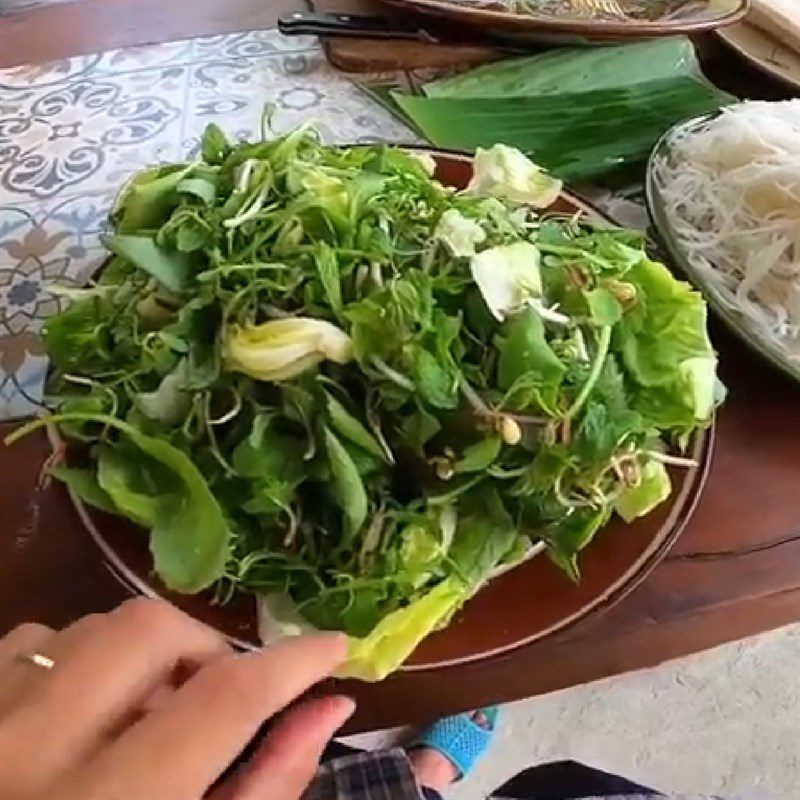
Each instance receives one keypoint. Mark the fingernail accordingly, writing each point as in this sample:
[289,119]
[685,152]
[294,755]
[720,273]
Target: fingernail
[346,709]
[347,702]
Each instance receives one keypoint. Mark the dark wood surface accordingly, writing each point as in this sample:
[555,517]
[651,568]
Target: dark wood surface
[369,55]
[734,572]
[51,32]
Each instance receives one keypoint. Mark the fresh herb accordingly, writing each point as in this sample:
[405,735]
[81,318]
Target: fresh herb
[318,375]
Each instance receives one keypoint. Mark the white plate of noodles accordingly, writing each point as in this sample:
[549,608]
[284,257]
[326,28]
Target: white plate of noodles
[723,192]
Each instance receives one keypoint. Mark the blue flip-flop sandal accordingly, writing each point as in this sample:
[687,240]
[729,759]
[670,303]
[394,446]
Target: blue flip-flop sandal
[460,739]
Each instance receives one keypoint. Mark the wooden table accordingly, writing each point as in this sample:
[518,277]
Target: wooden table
[735,571]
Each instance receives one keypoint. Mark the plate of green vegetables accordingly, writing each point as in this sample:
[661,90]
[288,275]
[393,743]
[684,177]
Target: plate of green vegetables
[434,402]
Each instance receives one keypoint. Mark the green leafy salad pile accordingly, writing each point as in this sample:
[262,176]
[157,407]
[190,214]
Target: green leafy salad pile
[318,375]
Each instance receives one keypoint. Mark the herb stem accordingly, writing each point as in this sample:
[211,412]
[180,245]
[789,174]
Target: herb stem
[253,209]
[394,376]
[230,413]
[675,461]
[474,399]
[231,268]
[81,381]
[562,250]
[78,416]
[603,344]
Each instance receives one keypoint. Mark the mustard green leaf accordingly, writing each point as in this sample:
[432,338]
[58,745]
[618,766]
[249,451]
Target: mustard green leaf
[172,268]
[348,488]
[83,484]
[146,201]
[349,427]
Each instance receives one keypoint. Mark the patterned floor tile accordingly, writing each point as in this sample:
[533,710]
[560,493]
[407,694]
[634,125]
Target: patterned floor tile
[148,56]
[88,132]
[23,370]
[233,92]
[45,245]
[43,76]
[41,246]
[249,44]
[183,52]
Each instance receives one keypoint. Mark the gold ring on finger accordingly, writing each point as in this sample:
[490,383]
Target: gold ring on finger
[40,660]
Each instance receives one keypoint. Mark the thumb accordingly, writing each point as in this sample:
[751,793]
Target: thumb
[286,761]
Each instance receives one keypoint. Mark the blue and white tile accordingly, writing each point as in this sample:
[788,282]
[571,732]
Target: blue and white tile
[300,86]
[250,44]
[84,133]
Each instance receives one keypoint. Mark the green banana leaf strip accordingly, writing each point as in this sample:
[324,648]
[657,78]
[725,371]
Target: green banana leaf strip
[575,135]
[573,70]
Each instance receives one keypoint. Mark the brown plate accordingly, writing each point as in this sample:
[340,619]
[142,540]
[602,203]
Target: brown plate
[589,20]
[764,53]
[520,606]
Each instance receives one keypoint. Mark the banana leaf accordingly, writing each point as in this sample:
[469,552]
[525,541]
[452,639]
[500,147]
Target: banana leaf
[580,113]
[576,136]
[574,70]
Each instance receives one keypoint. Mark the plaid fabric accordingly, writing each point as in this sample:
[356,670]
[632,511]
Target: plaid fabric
[387,775]
[379,775]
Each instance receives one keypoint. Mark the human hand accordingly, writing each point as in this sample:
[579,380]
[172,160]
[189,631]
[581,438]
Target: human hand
[145,702]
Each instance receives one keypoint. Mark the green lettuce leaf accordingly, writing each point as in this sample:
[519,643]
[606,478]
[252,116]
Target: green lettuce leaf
[604,309]
[420,553]
[666,326]
[664,344]
[72,337]
[214,145]
[169,402]
[686,401]
[279,617]
[572,535]
[329,275]
[484,534]
[389,643]
[203,189]
[189,537]
[271,462]
[653,489]
[434,384]
[479,456]
[525,351]
[397,635]
[347,426]
[355,611]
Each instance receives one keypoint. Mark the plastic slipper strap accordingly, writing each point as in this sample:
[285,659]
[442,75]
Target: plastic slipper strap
[459,739]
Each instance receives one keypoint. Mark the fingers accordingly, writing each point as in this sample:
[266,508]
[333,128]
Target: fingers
[211,718]
[106,665]
[24,639]
[15,669]
[285,763]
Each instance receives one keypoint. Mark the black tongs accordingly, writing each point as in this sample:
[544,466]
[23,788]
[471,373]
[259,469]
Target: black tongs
[356,26]
[414,29]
